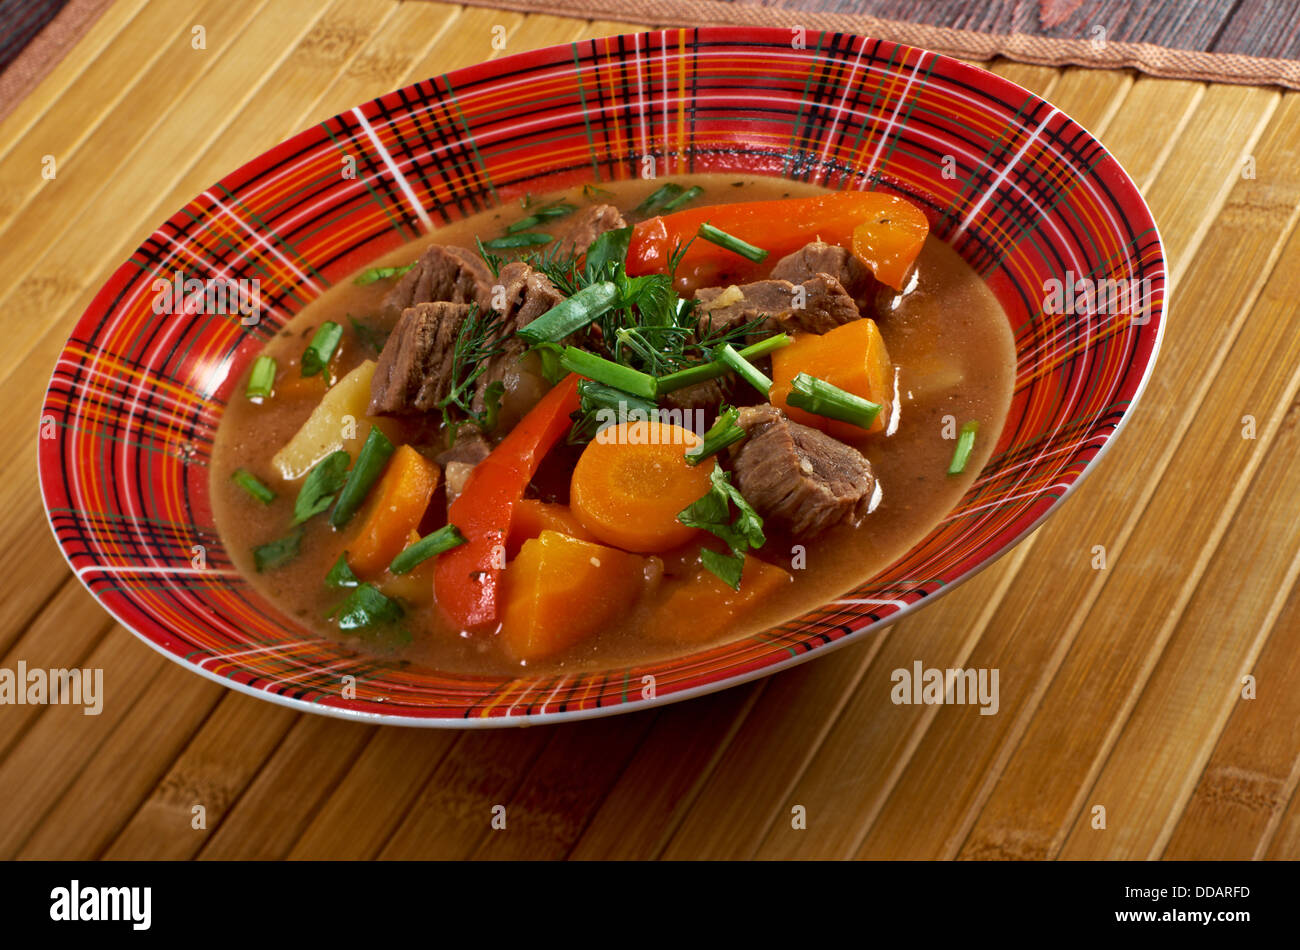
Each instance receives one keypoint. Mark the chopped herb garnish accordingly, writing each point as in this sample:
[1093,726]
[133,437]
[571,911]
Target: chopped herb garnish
[715,368]
[961,452]
[261,379]
[722,433]
[572,314]
[594,193]
[251,484]
[549,213]
[522,239]
[320,486]
[275,553]
[727,567]
[340,574]
[658,198]
[372,274]
[444,539]
[731,358]
[481,336]
[321,348]
[493,393]
[820,397]
[601,405]
[731,243]
[371,460]
[606,255]
[605,371]
[369,338]
[687,196]
[712,513]
[366,607]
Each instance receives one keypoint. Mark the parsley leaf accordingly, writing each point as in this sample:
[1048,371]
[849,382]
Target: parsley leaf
[340,574]
[712,513]
[320,486]
[366,607]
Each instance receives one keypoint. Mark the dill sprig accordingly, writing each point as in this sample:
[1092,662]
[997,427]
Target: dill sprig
[481,336]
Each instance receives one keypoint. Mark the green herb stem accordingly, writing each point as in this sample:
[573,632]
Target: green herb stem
[522,239]
[601,370]
[965,443]
[824,399]
[731,243]
[261,380]
[444,539]
[722,433]
[731,358]
[321,348]
[374,455]
[571,314]
[658,198]
[687,196]
[715,368]
[251,484]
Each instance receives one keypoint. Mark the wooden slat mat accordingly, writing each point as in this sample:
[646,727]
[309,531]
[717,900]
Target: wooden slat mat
[1120,687]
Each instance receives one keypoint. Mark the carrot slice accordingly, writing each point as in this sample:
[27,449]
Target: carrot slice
[560,591]
[395,511]
[532,517]
[852,357]
[632,480]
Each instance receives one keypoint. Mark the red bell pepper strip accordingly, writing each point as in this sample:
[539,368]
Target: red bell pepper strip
[895,230]
[467,579]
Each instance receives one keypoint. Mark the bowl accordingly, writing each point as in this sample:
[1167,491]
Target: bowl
[1025,194]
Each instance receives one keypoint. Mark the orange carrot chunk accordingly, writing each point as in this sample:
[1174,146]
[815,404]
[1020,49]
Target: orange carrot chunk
[560,591]
[395,511]
[890,239]
[700,607]
[632,480]
[532,517]
[852,357]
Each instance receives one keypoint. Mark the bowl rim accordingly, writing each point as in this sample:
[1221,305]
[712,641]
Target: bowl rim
[856,631]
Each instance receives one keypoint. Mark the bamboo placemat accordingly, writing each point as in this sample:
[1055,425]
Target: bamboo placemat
[1120,686]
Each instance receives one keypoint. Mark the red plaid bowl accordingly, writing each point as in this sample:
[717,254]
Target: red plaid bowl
[1024,193]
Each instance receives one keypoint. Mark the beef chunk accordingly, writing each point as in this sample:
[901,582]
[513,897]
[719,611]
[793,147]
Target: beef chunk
[799,476]
[453,274]
[470,447]
[527,295]
[414,369]
[587,225]
[826,305]
[708,395]
[818,257]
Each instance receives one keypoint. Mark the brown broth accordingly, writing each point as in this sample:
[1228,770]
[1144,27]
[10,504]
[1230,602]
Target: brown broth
[948,339]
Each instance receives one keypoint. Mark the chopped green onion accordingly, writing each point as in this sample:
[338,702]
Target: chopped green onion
[599,396]
[689,195]
[571,314]
[746,370]
[261,380]
[659,197]
[365,607]
[712,370]
[549,213]
[731,243]
[320,486]
[721,434]
[371,460]
[372,274]
[820,397]
[961,453]
[444,539]
[608,372]
[522,239]
[275,553]
[340,574]
[321,348]
[252,485]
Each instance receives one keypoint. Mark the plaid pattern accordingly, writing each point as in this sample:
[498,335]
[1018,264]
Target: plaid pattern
[1020,190]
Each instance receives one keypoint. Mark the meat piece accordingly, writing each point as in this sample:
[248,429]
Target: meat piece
[708,396]
[818,257]
[587,225]
[470,447]
[825,306]
[526,294]
[799,476]
[414,368]
[453,274]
